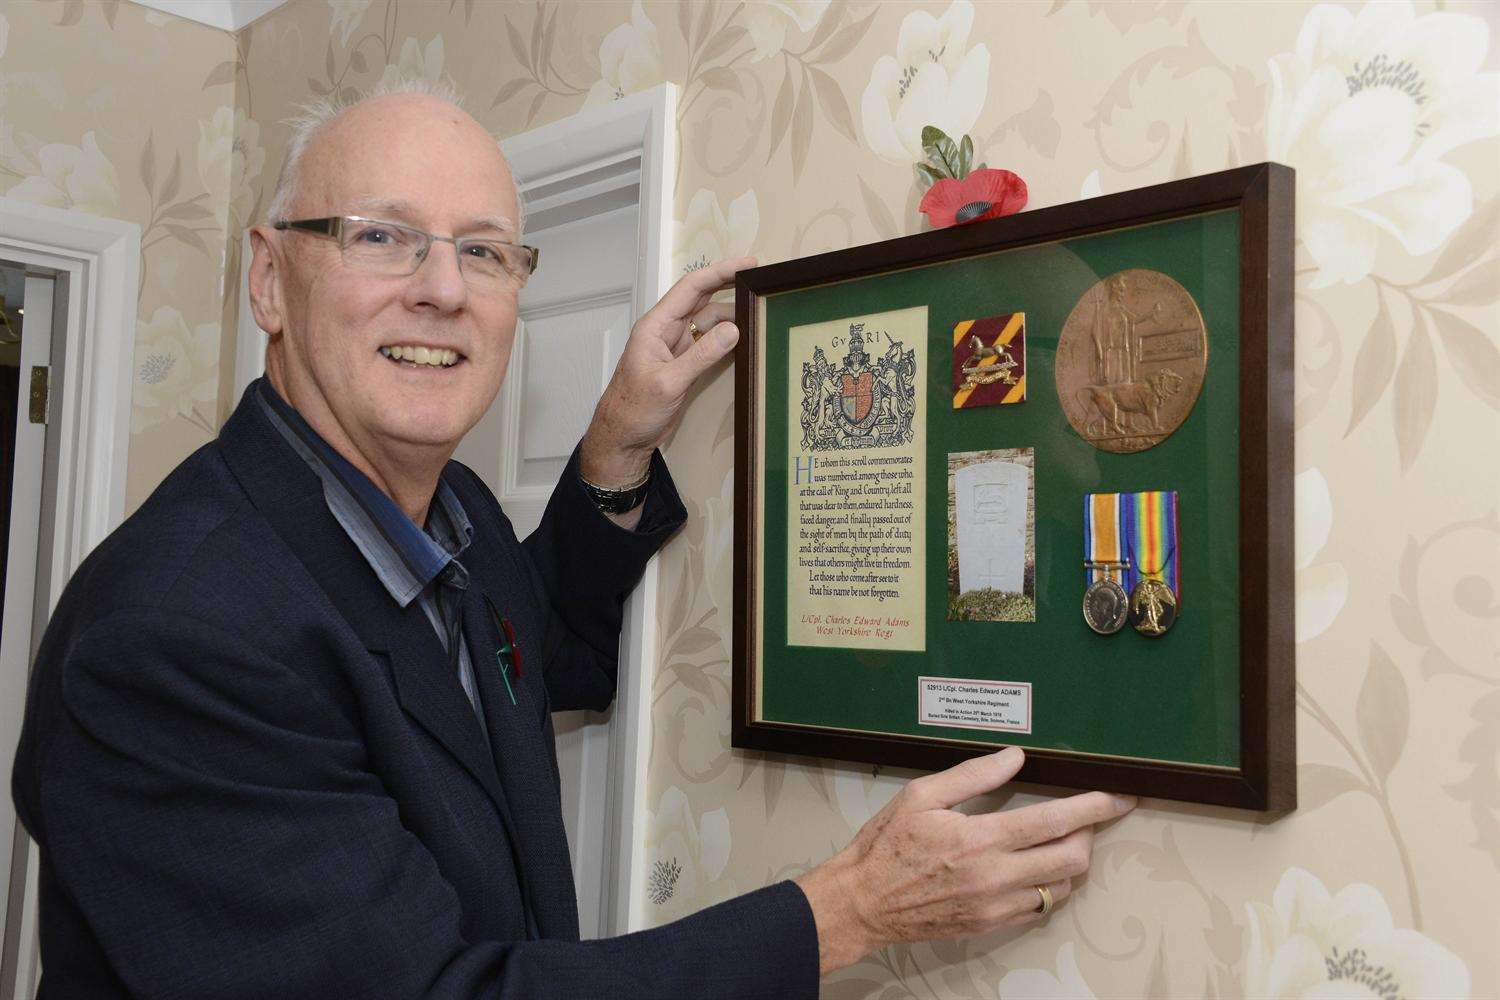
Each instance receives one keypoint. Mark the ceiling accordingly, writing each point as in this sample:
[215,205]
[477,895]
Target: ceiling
[230,15]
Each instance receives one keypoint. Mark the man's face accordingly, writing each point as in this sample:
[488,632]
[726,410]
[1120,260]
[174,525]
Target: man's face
[417,161]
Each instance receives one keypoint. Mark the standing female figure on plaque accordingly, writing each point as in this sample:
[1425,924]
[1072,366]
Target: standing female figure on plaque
[1114,334]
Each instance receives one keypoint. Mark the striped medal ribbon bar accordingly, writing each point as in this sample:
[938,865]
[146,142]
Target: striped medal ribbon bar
[1103,553]
[1150,521]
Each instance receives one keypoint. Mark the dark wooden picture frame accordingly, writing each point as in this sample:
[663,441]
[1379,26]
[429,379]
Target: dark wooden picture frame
[1266,776]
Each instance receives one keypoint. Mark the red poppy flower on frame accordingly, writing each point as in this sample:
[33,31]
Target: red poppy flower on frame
[984,194]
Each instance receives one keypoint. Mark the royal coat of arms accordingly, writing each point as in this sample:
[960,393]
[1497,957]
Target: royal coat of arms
[863,403]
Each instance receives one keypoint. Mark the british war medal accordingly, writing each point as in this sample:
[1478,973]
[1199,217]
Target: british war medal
[1105,603]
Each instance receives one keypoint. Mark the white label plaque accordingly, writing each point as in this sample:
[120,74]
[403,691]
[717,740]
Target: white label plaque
[970,704]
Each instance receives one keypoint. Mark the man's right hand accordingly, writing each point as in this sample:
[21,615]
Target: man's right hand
[918,870]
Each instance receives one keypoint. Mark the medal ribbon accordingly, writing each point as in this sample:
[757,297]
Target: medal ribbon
[1101,535]
[1151,539]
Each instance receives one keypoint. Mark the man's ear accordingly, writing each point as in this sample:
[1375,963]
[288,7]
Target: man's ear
[266,302]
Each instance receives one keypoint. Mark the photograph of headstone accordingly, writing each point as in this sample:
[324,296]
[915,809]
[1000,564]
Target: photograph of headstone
[992,536]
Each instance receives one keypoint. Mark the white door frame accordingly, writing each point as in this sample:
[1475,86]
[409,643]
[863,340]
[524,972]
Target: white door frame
[643,125]
[24,613]
[89,414]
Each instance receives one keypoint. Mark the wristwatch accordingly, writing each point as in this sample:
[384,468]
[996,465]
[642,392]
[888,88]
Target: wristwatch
[617,501]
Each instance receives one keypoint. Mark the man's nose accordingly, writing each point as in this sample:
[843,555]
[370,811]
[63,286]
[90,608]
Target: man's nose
[438,283]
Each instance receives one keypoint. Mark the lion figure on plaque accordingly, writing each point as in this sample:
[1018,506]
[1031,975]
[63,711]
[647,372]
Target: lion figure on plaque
[863,403]
[1117,405]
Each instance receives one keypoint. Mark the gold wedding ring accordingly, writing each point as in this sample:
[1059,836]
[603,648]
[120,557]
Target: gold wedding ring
[1045,906]
[693,329]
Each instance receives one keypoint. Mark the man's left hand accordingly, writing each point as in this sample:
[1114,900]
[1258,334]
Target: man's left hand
[644,400]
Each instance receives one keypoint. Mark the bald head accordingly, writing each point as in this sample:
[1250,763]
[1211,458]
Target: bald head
[363,160]
[327,128]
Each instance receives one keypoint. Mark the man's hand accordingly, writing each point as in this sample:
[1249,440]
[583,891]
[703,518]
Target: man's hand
[661,361]
[918,871]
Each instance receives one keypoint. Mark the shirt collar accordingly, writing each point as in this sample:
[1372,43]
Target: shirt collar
[403,556]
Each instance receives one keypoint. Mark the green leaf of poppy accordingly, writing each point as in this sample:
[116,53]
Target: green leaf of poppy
[930,174]
[947,150]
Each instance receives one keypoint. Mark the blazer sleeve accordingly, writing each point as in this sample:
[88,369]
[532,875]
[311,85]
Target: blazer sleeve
[215,819]
[584,565]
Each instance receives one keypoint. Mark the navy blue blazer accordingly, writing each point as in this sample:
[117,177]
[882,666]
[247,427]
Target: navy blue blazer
[251,774]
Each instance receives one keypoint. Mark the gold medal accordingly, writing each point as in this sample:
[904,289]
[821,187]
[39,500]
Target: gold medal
[1153,607]
[1105,606]
[1151,533]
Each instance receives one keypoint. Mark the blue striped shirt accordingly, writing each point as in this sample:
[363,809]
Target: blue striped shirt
[410,563]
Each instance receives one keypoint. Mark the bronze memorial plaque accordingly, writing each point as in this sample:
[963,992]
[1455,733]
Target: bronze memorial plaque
[1130,360]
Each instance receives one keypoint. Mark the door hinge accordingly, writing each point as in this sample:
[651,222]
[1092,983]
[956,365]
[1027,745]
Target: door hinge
[41,382]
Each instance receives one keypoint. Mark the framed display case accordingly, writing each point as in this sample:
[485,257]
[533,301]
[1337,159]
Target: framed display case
[1029,481]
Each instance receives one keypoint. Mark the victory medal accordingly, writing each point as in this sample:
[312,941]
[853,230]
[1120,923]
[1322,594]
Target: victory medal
[1153,607]
[1151,530]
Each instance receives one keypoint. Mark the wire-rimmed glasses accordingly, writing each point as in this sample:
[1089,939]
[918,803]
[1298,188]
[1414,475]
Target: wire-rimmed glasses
[392,249]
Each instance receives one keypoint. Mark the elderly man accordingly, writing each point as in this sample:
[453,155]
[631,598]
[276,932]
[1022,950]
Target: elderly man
[289,730]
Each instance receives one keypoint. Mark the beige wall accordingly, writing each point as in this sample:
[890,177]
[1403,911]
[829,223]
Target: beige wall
[1395,851]
[119,111]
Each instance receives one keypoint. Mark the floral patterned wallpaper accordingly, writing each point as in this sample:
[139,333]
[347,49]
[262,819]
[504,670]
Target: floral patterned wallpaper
[120,111]
[799,123]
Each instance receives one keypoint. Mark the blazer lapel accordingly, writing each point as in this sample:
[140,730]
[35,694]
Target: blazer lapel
[290,496]
[436,700]
[526,771]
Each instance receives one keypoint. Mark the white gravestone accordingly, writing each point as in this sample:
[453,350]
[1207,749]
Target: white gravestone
[991,500]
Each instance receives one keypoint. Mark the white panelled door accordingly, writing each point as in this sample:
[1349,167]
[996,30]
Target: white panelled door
[576,313]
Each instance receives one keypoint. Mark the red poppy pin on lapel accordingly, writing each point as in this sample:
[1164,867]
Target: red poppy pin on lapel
[509,653]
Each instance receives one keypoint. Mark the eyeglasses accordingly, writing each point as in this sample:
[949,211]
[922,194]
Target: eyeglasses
[488,265]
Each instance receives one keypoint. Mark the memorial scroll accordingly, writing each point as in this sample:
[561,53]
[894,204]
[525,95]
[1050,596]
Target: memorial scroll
[857,491]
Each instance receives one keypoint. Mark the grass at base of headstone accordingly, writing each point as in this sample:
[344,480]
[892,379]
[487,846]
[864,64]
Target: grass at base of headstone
[991,605]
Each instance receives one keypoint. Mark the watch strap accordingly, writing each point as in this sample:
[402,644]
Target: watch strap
[617,501]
